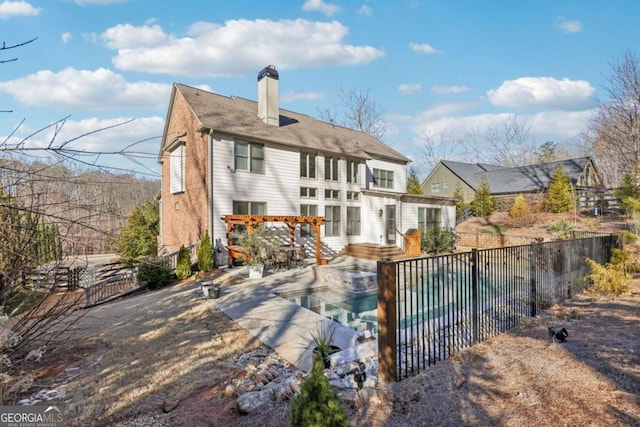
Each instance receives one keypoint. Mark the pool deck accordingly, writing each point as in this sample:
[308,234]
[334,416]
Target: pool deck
[280,324]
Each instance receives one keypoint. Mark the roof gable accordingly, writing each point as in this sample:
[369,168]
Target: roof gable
[530,178]
[239,117]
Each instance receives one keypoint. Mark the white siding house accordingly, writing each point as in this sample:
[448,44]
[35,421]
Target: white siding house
[238,159]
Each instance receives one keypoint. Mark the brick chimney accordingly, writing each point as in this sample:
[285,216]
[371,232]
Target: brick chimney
[268,110]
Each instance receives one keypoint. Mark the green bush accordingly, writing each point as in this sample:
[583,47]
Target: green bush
[205,253]
[317,404]
[520,213]
[436,240]
[183,266]
[561,229]
[610,278]
[154,273]
[628,236]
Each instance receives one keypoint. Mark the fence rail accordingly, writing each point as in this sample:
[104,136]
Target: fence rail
[431,307]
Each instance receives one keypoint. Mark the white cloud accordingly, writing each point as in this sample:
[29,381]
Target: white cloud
[65,37]
[237,47]
[101,89]
[567,26]
[409,89]
[126,36]
[557,125]
[319,5]
[17,8]
[528,92]
[365,10]
[302,96]
[449,89]
[423,48]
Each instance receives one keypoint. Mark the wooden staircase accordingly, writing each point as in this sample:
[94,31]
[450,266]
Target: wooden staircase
[373,251]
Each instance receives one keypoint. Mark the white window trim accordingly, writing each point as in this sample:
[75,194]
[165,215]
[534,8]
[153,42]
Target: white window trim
[177,168]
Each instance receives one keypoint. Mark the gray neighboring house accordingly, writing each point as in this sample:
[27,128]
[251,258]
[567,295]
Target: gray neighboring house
[507,183]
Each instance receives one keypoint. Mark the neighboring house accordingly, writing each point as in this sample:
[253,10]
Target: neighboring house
[227,155]
[507,183]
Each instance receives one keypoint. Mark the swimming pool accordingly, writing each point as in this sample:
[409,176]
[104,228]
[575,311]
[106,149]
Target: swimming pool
[357,312]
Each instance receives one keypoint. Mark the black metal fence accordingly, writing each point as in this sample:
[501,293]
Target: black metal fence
[431,307]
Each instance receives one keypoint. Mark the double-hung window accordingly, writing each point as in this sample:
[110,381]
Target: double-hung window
[330,169]
[307,210]
[249,208]
[308,165]
[353,220]
[332,220]
[353,171]
[248,156]
[382,178]
[176,169]
[429,218]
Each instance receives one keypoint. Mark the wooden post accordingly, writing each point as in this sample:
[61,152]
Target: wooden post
[316,229]
[387,328]
[229,242]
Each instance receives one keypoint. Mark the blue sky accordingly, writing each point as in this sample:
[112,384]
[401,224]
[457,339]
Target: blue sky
[437,67]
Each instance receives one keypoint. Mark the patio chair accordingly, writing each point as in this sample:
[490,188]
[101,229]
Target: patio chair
[299,255]
[281,259]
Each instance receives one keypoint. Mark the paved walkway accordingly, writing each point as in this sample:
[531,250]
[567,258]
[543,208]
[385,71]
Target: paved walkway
[282,325]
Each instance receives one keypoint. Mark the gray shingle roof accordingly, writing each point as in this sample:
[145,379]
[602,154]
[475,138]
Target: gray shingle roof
[529,178]
[238,116]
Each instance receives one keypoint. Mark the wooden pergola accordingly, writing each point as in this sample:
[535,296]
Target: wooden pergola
[250,221]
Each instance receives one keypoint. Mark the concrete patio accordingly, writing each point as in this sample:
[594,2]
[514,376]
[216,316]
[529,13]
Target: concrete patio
[280,324]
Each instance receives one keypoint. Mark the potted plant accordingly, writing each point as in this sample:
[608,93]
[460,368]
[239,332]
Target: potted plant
[254,249]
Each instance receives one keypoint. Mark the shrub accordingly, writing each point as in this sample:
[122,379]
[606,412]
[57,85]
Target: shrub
[628,236]
[607,279]
[317,404]
[561,229]
[436,240]
[154,273]
[520,213]
[205,253]
[183,266]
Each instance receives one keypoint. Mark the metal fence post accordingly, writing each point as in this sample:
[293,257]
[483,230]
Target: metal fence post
[387,327]
[475,309]
[533,258]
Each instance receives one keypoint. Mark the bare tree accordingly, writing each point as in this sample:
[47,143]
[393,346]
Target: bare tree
[361,113]
[614,130]
[445,145]
[52,197]
[511,143]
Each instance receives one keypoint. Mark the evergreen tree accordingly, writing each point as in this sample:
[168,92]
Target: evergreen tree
[139,239]
[317,404]
[183,266]
[482,203]
[559,198]
[413,183]
[628,188]
[205,253]
[458,195]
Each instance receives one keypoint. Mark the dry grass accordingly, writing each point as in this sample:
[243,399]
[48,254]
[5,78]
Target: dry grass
[130,356]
